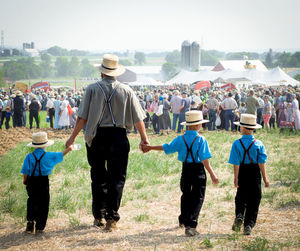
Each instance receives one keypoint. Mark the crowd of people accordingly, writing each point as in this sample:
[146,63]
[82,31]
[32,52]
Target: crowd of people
[60,107]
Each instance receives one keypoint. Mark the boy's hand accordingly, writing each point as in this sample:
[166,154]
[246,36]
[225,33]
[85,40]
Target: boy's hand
[236,183]
[146,148]
[267,183]
[215,180]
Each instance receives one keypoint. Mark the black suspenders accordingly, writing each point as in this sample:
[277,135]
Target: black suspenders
[107,103]
[37,161]
[189,149]
[247,151]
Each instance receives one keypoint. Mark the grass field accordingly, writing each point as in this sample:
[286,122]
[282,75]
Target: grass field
[150,204]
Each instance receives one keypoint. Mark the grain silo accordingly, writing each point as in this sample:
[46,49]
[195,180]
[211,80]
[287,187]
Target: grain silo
[185,54]
[195,56]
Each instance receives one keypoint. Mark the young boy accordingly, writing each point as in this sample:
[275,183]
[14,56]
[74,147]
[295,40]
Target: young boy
[193,152]
[248,157]
[36,168]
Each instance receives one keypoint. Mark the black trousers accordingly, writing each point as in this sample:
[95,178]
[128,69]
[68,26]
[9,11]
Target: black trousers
[108,158]
[248,194]
[38,200]
[7,119]
[192,185]
[51,116]
[35,115]
[18,118]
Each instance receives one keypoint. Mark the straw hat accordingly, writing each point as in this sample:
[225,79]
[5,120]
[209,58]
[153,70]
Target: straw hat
[13,95]
[110,66]
[248,121]
[19,93]
[40,139]
[194,118]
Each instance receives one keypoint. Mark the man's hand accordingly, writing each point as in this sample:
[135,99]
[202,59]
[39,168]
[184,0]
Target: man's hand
[144,143]
[69,142]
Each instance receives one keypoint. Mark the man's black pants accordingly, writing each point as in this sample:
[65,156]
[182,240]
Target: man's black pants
[248,194]
[38,200]
[192,185]
[108,158]
[35,115]
[51,116]
[18,118]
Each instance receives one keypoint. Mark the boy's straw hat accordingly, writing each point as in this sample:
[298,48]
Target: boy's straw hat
[110,66]
[248,121]
[40,139]
[194,118]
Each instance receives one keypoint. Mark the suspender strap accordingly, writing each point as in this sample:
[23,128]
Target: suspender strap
[247,151]
[107,103]
[189,149]
[37,161]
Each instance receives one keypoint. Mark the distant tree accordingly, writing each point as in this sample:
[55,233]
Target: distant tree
[125,62]
[140,58]
[216,54]
[207,59]
[87,70]
[46,65]
[169,70]
[2,82]
[283,59]
[173,57]
[297,77]
[269,59]
[297,56]
[16,52]
[58,51]
[78,53]
[74,69]
[62,67]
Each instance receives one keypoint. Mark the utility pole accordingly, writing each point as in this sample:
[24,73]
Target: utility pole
[2,40]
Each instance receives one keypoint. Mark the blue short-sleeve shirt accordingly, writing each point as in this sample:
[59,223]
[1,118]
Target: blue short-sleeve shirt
[49,160]
[257,152]
[200,148]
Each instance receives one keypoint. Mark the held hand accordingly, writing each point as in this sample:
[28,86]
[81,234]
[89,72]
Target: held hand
[215,180]
[69,142]
[143,143]
[146,148]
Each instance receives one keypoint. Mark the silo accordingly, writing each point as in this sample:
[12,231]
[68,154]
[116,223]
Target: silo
[185,54]
[32,45]
[195,56]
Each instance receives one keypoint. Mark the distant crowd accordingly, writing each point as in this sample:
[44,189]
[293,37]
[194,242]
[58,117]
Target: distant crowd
[274,107]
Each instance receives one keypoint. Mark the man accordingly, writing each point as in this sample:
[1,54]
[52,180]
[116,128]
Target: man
[18,109]
[229,105]
[154,109]
[213,109]
[34,108]
[175,106]
[251,103]
[50,109]
[107,109]
[185,106]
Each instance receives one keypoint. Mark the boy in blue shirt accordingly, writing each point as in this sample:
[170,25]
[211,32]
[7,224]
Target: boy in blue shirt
[248,157]
[193,152]
[36,168]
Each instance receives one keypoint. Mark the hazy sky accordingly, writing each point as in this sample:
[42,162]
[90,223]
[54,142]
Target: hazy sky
[229,25]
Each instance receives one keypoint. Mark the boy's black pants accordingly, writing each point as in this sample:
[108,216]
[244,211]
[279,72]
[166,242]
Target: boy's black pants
[192,185]
[108,158]
[38,200]
[248,194]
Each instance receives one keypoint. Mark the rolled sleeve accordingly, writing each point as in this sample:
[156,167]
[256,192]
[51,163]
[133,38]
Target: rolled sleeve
[204,151]
[262,155]
[26,166]
[234,157]
[171,147]
[84,106]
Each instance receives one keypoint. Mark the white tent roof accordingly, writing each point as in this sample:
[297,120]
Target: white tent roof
[143,81]
[239,65]
[275,76]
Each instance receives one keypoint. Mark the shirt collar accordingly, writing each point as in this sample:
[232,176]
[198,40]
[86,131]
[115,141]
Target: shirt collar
[39,150]
[191,132]
[248,137]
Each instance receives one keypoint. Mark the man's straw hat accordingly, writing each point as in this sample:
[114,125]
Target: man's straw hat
[40,139]
[110,66]
[194,118]
[19,93]
[248,121]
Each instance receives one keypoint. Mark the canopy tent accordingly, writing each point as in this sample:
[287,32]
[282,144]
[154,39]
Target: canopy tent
[275,76]
[145,81]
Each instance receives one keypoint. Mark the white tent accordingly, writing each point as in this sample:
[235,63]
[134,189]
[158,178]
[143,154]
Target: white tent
[144,81]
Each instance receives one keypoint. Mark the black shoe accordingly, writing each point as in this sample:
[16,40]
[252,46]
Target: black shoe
[29,227]
[99,222]
[237,224]
[247,230]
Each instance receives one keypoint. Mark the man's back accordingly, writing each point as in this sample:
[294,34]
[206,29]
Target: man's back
[252,105]
[175,104]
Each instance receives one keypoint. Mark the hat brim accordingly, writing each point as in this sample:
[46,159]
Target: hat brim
[113,73]
[49,143]
[257,126]
[195,123]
